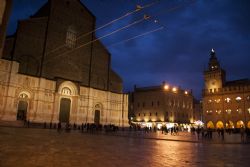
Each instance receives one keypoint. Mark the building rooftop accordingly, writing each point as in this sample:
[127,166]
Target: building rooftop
[244,81]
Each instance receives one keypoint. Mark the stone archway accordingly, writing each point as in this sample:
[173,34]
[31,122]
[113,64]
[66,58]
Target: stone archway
[210,124]
[22,107]
[240,124]
[219,125]
[248,124]
[229,125]
[65,105]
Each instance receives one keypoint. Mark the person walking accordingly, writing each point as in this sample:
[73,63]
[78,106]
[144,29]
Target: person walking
[242,134]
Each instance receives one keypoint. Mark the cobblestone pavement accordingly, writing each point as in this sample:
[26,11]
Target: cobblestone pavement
[21,147]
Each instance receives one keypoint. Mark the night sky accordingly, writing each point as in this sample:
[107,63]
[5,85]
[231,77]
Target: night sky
[176,54]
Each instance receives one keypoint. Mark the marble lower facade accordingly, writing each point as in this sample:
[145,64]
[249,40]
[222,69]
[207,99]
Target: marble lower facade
[24,97]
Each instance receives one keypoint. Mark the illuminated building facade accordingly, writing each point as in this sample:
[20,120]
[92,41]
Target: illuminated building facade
[47,75]
[164,104]
[5,8]
[225,103]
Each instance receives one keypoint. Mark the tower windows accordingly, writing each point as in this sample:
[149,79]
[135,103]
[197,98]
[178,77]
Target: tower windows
[71,38]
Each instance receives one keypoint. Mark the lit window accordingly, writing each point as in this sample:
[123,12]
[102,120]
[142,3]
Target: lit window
[209,101]
[239,110]
[217,100]
[66,91]
[238,99]
[248,97]
[228,111]
[227,99]
[23,96]
[248,110]
[71,38]
[218,111]
[209,111]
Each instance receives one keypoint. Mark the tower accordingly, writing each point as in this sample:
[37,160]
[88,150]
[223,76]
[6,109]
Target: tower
[214,76]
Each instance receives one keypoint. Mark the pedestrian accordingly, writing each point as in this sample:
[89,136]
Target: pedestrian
[222,133]
[198,132]
[242,134]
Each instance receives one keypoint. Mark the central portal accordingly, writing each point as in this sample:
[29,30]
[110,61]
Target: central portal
[97,117]
[64,110]
[22,110]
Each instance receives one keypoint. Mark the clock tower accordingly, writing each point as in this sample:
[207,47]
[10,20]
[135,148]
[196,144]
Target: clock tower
[214,76]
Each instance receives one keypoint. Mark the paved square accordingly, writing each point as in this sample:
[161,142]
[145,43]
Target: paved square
[21,147]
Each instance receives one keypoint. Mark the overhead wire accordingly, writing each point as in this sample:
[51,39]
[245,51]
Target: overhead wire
[145,17]
[156,21]
[138,8]
[137,36]
[115,31]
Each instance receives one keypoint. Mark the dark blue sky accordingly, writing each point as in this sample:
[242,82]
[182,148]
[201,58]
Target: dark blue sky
[178,53]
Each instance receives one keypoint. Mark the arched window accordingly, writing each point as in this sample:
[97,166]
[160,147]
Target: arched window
[71,38]
[238,99]
[66,91]
[23,96]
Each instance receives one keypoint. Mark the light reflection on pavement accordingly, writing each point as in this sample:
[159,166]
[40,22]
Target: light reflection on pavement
[43,147]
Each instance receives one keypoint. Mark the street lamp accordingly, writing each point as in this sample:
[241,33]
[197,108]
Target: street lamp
[166,87]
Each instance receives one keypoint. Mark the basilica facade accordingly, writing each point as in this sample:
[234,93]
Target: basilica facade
[54,70]
[226,104]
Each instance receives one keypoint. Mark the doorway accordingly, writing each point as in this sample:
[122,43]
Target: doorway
[97,117]
[22,111]
[64,110]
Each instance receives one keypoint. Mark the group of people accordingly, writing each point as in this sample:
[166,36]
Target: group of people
[84,127]
[208,132]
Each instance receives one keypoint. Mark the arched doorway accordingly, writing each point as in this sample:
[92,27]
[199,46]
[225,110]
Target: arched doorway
[210,124]
[22,110]
[97,117]
[240,124]
[64,110]
[219,125]
[248,124]
[229,125]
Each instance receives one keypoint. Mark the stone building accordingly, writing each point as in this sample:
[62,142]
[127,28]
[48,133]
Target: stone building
[225,103]
[159,105]
[5,8]
[198,112]
[52,71]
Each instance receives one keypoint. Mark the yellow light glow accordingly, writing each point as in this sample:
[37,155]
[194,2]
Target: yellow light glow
[174,89]
[166,87]
[186,92]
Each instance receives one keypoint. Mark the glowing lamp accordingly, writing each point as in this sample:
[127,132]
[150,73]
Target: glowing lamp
[166,87]
[186,92]
[174,89]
